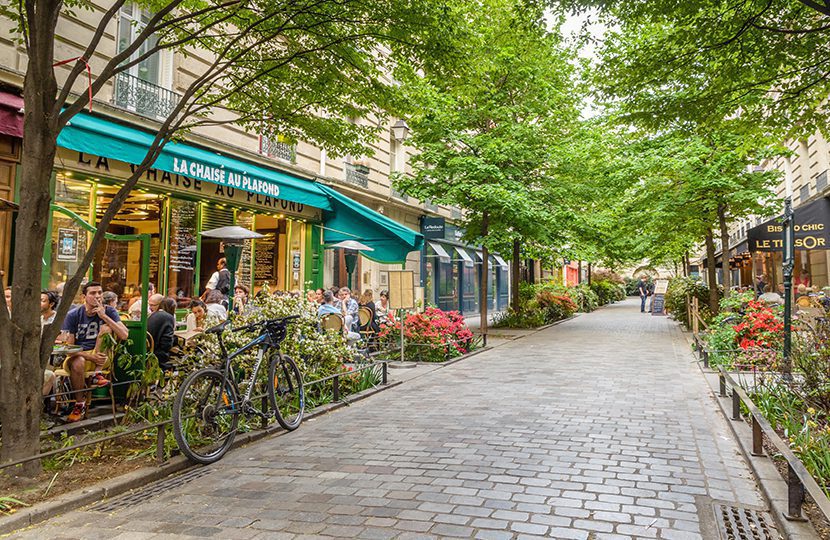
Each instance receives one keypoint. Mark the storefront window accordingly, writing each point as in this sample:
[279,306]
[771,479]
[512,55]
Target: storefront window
[69,240]
[117,265]
[266,253]
[296,234]
[447,283]
[246,260]
[471,289]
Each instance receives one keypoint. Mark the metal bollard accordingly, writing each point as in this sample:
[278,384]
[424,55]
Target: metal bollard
[264,408]
[795,495]
[705,355]
[336,388]
[736,405]
[722,384]
[757,438]
[161,435]
[384,373]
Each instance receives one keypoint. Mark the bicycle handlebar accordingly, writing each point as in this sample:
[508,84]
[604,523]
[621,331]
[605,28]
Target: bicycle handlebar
[281,320]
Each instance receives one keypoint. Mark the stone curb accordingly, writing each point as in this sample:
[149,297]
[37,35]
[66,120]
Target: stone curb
[141,477]
[769,480]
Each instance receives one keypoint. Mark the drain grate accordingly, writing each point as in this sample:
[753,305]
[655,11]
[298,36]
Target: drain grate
[741,523]
[149,491]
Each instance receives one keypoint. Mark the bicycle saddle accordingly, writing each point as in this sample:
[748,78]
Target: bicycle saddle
[218,329]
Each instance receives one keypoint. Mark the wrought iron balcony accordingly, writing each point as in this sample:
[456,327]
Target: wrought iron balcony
[398,195]
[357,174]
[277,148]
[429,205]
[142,97]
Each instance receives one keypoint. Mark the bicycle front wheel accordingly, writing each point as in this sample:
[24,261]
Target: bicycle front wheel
[285,390]
[205,416]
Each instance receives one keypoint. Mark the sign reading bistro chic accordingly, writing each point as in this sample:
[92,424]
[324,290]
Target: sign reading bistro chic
[188,185]
[812,228]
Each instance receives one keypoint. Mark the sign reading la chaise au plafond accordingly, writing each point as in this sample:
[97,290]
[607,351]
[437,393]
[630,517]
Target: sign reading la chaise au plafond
[812,229]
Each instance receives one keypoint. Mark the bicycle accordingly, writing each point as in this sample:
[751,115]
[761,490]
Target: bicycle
[206,408]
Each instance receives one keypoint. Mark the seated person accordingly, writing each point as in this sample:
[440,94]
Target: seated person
[135,305]
[196,318]
[110,299]
[327,306]
[348,308]
[85,326]
[215,305]
[162,326]
[48,305]
[382,307]
[241,300]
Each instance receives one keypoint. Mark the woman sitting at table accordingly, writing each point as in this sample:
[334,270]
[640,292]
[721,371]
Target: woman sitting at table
[196,318]
[162,325]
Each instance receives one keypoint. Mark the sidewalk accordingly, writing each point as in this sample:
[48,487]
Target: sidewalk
[601,427]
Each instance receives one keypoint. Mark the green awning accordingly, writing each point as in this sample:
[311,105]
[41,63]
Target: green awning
[89,134]
[350,220]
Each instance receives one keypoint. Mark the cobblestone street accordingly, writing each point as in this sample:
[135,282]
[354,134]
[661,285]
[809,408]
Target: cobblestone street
[601,427]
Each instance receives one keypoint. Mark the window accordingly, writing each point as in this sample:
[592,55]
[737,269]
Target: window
[144,87]
[804,192]
[821,181]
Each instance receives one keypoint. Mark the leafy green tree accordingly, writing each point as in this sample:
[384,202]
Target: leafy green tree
[486,133]
[301,68]
[666,62]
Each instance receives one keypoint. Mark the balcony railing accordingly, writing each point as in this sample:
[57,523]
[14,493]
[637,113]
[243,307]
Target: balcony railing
[357,174]
[277,148]
[144,98]
[398,195]
[429,205]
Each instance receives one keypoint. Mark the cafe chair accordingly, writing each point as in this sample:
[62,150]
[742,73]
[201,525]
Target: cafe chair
[332,321]
[63,385]
[366,317]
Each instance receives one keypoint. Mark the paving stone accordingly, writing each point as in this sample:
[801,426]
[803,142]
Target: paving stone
[614,430]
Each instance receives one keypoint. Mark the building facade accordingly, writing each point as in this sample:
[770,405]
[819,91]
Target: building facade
[290,191]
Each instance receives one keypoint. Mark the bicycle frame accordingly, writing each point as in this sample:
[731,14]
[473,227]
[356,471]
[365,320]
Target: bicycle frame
[263,342]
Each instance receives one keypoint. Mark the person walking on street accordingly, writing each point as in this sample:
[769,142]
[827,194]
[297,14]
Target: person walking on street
[642,290]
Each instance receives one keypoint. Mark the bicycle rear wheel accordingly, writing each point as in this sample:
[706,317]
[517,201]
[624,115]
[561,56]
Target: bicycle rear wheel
[285,390]
[205,416]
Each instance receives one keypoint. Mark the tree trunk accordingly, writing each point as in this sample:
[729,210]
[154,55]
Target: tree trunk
[515,269]
[711,271]
[687,265]
[579,273]
[724,241]
[485,222]
[21,376]
[589,274]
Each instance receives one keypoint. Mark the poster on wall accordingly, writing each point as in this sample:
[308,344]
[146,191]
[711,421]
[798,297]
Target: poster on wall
[182,235]
[68,240]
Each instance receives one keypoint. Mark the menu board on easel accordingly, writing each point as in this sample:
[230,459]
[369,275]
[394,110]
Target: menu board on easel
[264,257]
[401,289]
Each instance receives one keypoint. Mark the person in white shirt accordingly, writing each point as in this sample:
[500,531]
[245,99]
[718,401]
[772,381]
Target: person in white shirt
[135,308]
[219,281]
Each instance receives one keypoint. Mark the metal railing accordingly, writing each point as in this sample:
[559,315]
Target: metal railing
[799,480]
[276,148]
[161,427]
[357,174]
[142,97]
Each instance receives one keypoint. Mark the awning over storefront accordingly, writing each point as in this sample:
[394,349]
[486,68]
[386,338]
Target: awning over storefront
[464,255]
[439,250]
[86,133]
[501,261]
[811,229]
[11,114]
[350,220]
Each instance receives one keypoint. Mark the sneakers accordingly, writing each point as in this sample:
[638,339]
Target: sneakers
[78,412]
[98,380]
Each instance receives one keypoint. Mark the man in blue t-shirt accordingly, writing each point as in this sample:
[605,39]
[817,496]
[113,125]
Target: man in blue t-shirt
[84,326]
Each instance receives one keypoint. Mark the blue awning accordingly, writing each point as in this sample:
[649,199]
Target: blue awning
[93,135]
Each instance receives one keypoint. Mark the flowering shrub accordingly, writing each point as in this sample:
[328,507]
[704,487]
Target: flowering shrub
[432,336]
[557,306]
[760,327]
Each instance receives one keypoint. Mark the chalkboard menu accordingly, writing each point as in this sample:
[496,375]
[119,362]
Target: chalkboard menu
[658,305]
[154,259]
[266,251]
[243,274]
[182,235]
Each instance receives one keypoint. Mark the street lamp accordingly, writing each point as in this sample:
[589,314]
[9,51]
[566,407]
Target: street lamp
[352,247]
[400,131]
[234,238]
[789,261]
